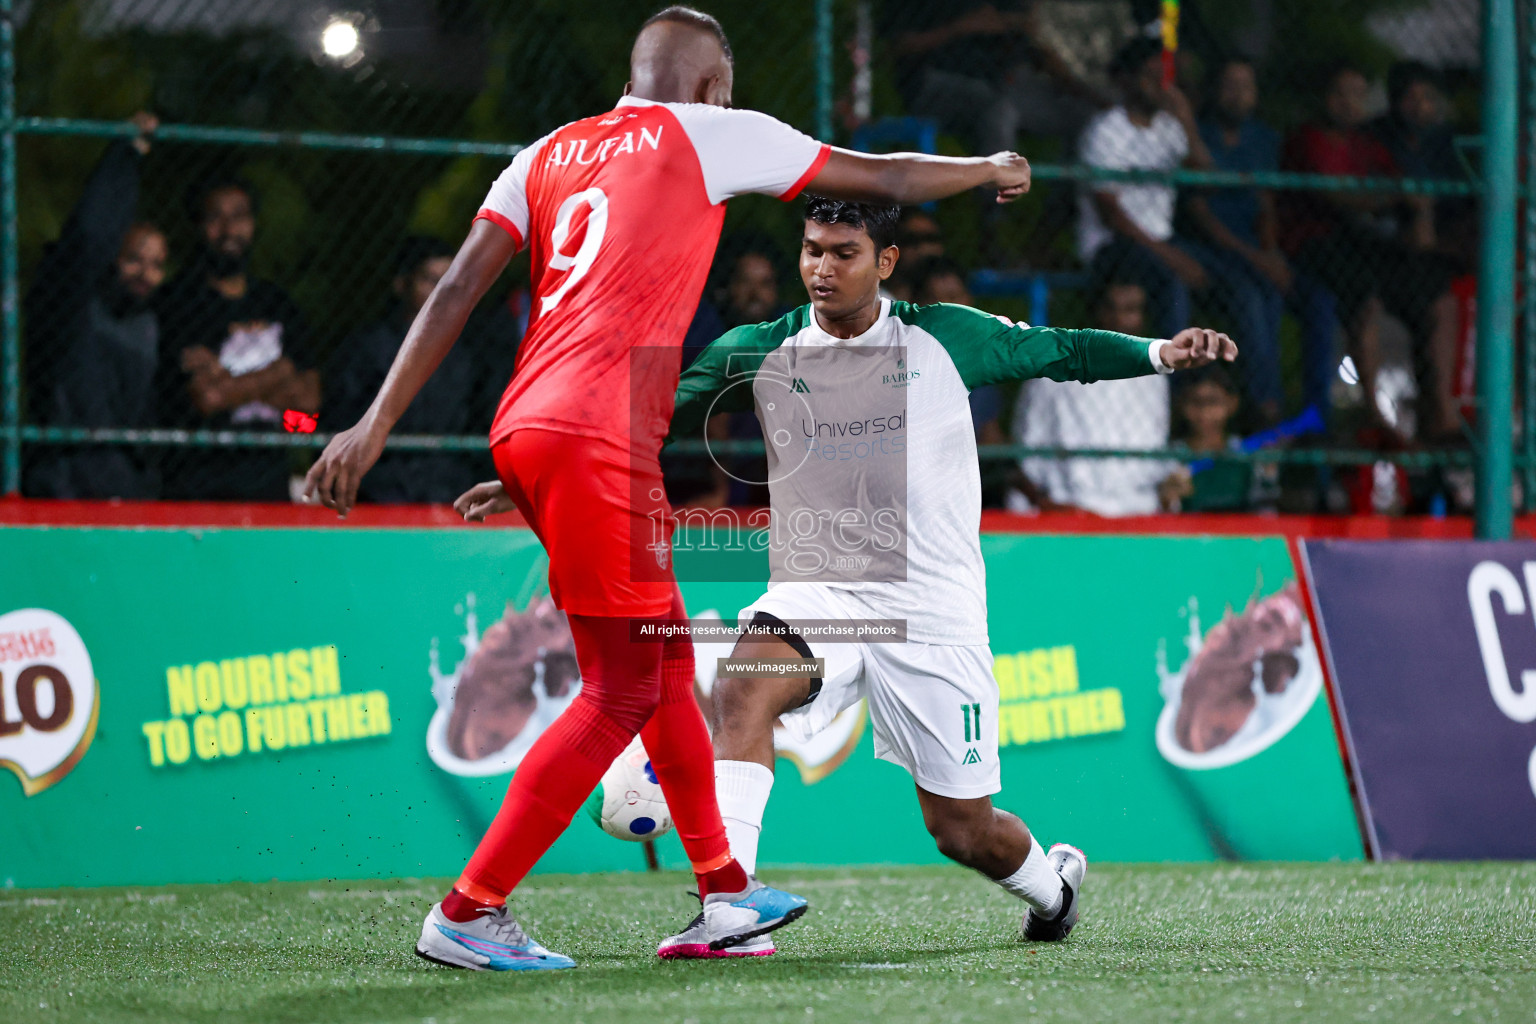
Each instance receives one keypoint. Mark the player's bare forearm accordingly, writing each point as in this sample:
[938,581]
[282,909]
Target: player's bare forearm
[335,477]
[480,261]
[908,178]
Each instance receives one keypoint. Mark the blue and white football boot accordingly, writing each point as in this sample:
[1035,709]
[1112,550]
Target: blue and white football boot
[1071,864]
[494,942]
[731,924]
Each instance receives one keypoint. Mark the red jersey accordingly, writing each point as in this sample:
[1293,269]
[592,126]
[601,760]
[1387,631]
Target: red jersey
[1318,150]
[622,213]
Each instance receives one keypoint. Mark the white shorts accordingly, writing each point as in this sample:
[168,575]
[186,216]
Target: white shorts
[933,706]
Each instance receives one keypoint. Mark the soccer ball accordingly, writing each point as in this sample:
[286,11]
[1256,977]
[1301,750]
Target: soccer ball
[628,803]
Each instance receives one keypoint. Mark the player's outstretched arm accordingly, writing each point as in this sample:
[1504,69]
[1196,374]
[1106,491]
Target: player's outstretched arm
[907,178]
[351,453]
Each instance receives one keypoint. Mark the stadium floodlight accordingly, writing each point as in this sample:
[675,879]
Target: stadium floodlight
[340,40]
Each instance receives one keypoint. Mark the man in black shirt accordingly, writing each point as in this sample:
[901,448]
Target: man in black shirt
[236,356]
[449,403]
[92,337]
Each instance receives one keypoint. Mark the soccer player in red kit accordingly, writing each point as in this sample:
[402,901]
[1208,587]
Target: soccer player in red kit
[622,213]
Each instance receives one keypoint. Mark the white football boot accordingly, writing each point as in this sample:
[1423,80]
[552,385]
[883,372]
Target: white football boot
[734,924]
[493,942]
[1071,864]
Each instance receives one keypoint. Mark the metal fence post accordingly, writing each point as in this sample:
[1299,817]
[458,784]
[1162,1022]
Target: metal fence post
[824,85]
[10,319]
[1496,275]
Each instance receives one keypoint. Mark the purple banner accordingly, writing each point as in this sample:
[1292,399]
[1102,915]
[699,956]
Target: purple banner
[1431,647]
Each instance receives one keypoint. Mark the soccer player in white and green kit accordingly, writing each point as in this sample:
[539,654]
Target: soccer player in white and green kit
[875,508]
[875,511]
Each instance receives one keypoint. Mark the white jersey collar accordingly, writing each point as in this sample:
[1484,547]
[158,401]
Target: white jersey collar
[871,335]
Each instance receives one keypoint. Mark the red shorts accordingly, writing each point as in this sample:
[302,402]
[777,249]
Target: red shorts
[602,515]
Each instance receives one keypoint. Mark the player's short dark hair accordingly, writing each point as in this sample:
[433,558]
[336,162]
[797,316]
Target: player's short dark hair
[198,194]
[414,250]
[681,15]
[1407,73]
[1133,56]
[879,222]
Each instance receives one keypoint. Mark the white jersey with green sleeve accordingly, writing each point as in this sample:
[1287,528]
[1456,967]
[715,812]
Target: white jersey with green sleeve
[874,485]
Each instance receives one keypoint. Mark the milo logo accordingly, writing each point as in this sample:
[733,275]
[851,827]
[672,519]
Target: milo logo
[48,698]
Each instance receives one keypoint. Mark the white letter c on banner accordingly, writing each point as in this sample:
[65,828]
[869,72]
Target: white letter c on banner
[1487,579]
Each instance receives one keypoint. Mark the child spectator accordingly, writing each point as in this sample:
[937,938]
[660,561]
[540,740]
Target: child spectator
[1205,406]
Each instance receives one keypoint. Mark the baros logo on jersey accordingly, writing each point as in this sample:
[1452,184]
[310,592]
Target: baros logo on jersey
[48,698]
[902,377]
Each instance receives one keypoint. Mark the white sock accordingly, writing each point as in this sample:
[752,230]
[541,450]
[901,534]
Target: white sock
[1036,882]
[742,787]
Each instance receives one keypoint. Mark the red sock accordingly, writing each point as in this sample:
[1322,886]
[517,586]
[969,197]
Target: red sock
[730,877]
[620,683]
[684,761]
[460,908]
[556,775]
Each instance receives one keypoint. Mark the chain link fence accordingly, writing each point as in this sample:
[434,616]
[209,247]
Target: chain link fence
[1302,175]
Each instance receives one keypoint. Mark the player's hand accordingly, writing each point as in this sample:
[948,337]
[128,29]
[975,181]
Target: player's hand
[481,500]
[1010,176]
[1195,347]
[335,477]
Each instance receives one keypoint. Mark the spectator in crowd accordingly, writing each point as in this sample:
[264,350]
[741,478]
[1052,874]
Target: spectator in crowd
[1240,249]
[942,280]
[1373,250]
[752,293]
[1125,231]
[1206,404]
[1417,134]
[919,236]
[92,334]
[1115,414]
[920,240]
[749,295]
[445,405]
[236,355]
[984,69]
[1414,128]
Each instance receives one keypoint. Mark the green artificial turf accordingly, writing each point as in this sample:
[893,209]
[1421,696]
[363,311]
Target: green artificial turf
[1395,943]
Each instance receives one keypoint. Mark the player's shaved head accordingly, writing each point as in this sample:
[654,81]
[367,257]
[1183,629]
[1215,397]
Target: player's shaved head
[681,56]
